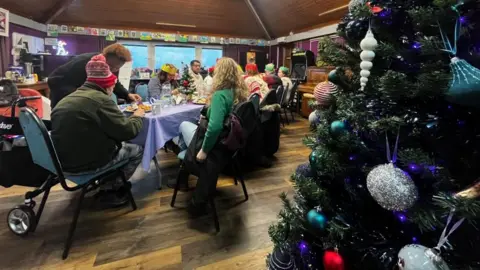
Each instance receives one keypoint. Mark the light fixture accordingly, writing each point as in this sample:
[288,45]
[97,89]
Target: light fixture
[175,24]
[333,10]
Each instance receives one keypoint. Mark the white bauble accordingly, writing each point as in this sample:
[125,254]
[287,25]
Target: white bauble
[392,188]
[366,65]
[354,4]
[418,257]
[367,55]
[364,73]
[369,43]
[363,80]
[313,118]
[363,84]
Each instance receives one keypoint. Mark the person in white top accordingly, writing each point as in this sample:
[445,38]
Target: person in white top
[194,71]
[209,81]
[283,74]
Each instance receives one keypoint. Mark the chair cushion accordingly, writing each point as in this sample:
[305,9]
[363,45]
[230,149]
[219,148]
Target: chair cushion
[182,154]
[81,179]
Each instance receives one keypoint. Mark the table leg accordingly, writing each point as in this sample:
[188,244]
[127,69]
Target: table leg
[155,160]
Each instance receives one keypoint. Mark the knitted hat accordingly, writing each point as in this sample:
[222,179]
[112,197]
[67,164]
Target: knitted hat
[251,67]
[99,72]
[285,70]
[270,67]
[170,69]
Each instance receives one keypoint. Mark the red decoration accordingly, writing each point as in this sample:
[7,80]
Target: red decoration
[374,9]
[185,83]
[211,70]
[333,261]
[324,92]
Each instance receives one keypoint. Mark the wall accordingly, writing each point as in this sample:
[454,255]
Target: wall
[311,45]
[79,44]
[21,30]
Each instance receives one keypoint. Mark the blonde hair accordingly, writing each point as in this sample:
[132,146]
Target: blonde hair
[227,76]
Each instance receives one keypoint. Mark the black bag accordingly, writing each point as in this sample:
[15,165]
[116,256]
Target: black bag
[8,93]
[17,168]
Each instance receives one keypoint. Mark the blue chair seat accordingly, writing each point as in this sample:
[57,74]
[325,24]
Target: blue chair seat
[182,154]
[85,178]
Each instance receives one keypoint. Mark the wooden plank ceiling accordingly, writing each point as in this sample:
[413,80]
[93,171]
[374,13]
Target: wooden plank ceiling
[230,17]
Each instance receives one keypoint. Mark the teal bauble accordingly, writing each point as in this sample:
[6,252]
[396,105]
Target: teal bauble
[338,127]
[314,159]
[333,77]
[317,219]
[465,85]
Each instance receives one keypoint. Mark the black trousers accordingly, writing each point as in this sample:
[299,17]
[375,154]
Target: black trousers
[58,91]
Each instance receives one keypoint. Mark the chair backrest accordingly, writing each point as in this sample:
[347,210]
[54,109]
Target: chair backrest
[142,90]
[269,99]
[246,112]
[280,93]
[39,142]
[37,104]
[255,99]
[291,97]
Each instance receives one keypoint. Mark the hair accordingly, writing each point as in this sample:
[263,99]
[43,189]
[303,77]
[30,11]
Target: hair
[119,51]
[227,76]
[193,62]
[252,72]
[161,73]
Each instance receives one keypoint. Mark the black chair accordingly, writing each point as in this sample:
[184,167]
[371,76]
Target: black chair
[289,100]
[248,125]
[44,154]
[280,92]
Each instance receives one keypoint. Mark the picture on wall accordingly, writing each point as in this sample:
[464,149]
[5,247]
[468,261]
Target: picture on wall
[4,22]
[251,57]
[103,32]
[133,34]
[64,29]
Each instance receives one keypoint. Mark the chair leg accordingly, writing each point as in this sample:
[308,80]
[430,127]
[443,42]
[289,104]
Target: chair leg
[282,121]
[73,225]
[286,116]
[128,186]
[242,181]
[177,185]
[215,216]
[235,179]
[293,117]
[155,161]
[40,208]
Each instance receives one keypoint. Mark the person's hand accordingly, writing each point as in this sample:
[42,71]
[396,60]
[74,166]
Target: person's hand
[201,156]
[139,113]
[135,97]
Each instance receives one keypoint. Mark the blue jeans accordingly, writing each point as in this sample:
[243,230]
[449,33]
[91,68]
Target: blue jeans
[187,131]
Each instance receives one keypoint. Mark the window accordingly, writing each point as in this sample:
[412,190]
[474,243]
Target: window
[210,56]
[178,56]
[139,55]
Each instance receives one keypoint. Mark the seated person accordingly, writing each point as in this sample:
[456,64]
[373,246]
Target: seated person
[287,82]
[272,80]
[198,82]
[228,89]
[164,83]
[255,82]
[88,129]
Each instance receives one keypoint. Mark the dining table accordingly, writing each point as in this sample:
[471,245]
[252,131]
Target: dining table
[161,127]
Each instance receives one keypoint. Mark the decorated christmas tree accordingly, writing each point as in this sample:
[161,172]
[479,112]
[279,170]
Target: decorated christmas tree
[392,181]
[187,86]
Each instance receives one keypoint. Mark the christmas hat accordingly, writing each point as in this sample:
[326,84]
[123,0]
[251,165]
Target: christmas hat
[251,67]
[270,67]
[99,72]
[284,70]
[169,68]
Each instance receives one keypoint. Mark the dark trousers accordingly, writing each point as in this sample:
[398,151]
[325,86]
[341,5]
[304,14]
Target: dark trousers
[58,91]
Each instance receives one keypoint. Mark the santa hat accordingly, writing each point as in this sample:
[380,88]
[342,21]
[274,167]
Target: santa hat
[251,67]
[284,70]
[270,67]
[99,72]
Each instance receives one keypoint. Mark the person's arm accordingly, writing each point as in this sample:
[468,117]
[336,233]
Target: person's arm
[121,92]
[218,113]
[116,125]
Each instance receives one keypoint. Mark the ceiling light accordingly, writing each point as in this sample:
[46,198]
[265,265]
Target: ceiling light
[175,24]
[333,10]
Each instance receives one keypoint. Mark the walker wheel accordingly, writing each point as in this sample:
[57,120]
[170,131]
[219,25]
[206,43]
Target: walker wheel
[21,220]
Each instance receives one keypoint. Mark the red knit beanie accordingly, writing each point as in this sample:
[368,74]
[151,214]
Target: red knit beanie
[99,72]
[251,67]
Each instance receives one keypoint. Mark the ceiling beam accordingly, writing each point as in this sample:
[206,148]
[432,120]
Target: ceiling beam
[259,20]
[56,10]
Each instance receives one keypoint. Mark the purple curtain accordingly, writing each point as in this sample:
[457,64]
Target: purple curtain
[4,56]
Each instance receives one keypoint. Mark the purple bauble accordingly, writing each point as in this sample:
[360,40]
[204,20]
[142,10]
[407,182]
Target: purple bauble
[305,170]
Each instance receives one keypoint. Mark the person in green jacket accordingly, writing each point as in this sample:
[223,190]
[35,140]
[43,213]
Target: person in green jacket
[228,89]
[89,130]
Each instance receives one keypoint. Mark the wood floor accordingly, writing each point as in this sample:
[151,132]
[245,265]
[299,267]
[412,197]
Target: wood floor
[156,236]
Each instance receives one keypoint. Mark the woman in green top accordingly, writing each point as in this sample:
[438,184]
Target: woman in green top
[228,89]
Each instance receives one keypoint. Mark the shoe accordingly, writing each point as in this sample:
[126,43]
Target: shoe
[173,147]
[112,198]
[196,210]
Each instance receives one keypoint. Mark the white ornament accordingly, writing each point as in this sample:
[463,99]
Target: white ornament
[416,257]
[354,4]
[313,118]
[368,45]
[392,188]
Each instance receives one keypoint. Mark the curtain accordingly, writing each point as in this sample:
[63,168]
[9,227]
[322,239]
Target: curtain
[4,56]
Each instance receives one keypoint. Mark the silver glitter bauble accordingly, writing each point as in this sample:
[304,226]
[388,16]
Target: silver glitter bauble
[391,187]
[416,257]
[354,4]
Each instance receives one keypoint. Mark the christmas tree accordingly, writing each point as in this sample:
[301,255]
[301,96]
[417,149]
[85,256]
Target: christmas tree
[392,181]
[187,84]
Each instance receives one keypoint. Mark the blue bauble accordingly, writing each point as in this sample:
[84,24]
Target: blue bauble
[317,219]
[281,260]
[338,127]
[314,159]
[465,86]
[305,170]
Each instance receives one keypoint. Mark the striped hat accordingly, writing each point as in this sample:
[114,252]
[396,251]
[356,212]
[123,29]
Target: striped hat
[99,72]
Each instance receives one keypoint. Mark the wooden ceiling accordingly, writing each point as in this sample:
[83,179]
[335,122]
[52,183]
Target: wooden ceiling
[243,18]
